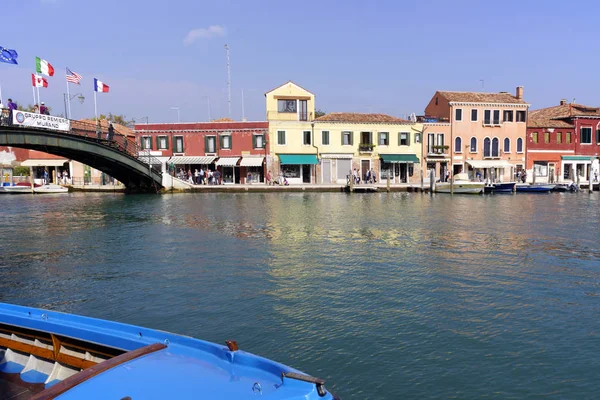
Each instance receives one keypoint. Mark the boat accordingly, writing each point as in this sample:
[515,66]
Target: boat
[461,185]
[534,188]
[46,355]
[50,188]
[565,187]
[19,188]
[504,187]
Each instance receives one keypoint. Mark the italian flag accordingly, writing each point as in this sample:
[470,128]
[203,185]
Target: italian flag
[43,67]
[38,81]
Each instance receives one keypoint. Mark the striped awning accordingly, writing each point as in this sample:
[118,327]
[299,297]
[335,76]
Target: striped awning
[183,160]
[43,163]
[252,161]
[227,161]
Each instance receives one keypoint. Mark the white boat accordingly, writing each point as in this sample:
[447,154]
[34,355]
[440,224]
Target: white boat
[462,185]
[15,189]
[50,188]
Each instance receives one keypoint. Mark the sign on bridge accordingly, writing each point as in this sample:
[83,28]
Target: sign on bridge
[33,120]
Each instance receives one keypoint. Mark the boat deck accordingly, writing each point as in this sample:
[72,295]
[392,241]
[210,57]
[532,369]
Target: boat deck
[16,390]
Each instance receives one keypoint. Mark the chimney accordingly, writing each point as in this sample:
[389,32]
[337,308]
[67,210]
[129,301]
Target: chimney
[519,92]
[563,102]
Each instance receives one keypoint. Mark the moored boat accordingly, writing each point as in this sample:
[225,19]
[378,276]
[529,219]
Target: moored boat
[54,355]
[534,188]
[461,185]
[19,188]
[504,187]
[50,188]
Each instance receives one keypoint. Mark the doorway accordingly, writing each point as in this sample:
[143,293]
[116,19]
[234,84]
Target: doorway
[326,168]
[365,165]
[403,172]
[551,169]
[306,173]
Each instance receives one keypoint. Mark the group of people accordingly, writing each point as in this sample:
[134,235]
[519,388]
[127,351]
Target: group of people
[522,175]
[369,177]
[7,111]
[200,177]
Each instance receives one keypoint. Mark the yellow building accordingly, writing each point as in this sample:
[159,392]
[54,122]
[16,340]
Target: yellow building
[386,145]
[290,112]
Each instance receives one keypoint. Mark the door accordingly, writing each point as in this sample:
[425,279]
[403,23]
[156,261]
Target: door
[326,168]
[344,167]
[303,110]
[365,165]
[403,172]
[306,170]
[551,173]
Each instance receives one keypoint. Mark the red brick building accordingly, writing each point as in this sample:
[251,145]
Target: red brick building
[563,143]
[237,149]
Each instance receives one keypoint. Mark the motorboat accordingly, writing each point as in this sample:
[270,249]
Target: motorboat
[461,185]
[565,187]
[52,355]
[19,188]
[50,188]
[504,187]
[534,187]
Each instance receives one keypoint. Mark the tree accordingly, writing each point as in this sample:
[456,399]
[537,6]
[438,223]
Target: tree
[116,119]
[319,113]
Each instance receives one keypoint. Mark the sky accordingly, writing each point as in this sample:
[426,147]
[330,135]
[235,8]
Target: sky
[356,56]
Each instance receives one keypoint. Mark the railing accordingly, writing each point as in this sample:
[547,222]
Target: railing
[365,147]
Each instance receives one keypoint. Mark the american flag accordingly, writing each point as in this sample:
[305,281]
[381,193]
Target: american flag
[73,77]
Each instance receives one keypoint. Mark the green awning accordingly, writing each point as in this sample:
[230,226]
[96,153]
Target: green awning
[576,158]
[399,158]
[297,159]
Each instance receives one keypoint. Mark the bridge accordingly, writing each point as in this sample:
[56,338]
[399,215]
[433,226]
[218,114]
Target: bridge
[120,157]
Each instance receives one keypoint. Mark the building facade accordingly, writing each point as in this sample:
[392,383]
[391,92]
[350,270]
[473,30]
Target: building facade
[563,143]
[236,149]
[482,134]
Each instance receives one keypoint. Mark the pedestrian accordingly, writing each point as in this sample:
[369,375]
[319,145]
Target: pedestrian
[196,176]
[210,177]
[447,175]
[36,109]
[217,176]
[201,176]
[12,106]
[45,177]
[373,177]
[111,131]
[268,177]
[249,177]
[524,176]
[43,109]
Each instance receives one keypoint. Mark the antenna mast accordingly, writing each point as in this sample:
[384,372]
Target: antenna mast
[228,80]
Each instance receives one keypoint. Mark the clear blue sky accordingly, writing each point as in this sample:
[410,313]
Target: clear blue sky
[354,55]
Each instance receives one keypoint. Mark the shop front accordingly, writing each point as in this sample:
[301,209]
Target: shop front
[298,168]
[230,172]
[578,168]
[398,167]
[490,170]
[335,167]
[179,165]
[252,167]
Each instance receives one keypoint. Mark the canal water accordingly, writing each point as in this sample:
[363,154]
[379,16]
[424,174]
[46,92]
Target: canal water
[386,296]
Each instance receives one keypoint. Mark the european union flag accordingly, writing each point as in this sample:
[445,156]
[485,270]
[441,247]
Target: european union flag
[8,56]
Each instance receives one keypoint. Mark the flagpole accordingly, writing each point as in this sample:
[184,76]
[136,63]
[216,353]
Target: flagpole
[33,90]
[0,93]
[95,107]
[68,98]
[39,100]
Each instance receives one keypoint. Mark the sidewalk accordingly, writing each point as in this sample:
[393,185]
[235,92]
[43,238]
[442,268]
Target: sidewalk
[261,187]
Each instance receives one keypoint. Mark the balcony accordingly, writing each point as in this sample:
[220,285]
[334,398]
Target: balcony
[365,148]
[289,116]
[438,150]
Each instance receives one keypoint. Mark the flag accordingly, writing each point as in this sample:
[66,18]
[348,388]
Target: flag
[38,81]
[73,77]
[99,86]
[8,56]
[43,67]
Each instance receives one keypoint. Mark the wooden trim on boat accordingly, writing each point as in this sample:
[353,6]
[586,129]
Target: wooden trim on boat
[46,353]
[74,380]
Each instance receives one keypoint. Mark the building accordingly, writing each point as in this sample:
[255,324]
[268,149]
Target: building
[482,134]
[237,149]
[293,153]
[562,143]
[389,146]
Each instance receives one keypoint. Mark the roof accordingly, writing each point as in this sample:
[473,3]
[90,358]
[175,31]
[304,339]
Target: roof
[361,118]
[554,117]
[479,97]
[292,82]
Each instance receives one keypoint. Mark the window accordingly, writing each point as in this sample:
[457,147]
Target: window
[162,143]
[286,106]
[403,139]
[586,135]
[458,114]
[521,116]
[546,137]
[458,145]
[306,138]
[178,145]
[417,138]
[558,137]
[568,137]
[508,116]
[347,138]
[487,144]
[496,117]
[366,138]
[474,115]
[258,141]
[440,143]
[519,145]
[210,144]
[473,145]
[540,168]
[225,141]
[598,136]
[506,145]
[534,137]
[430,142]
[384,138]
[487,117]
[495,147]
[325,138]
[147,143]
[281,138]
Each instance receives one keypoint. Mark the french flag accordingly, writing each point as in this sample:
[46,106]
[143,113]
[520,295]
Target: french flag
[99,86]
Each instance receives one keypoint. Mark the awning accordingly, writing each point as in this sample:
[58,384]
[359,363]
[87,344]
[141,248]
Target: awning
[252,162]
[399,158]
[43,163]
[181,160]
[227,161]
[297,159]
[576,158]
[337,155]
[489,163]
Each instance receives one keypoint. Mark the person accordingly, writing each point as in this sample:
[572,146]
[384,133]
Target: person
[196,176]
[368,176]
[210,177]
[217,176]
[373,177]
[447,175]
[36,109]
[45,177]
[111,131]
[43,108]
[355,176]
[524,176]
[201,176]
[12,106]
[249,177]
[268,177]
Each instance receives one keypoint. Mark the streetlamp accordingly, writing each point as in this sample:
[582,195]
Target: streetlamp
[67,99]
[176,108]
